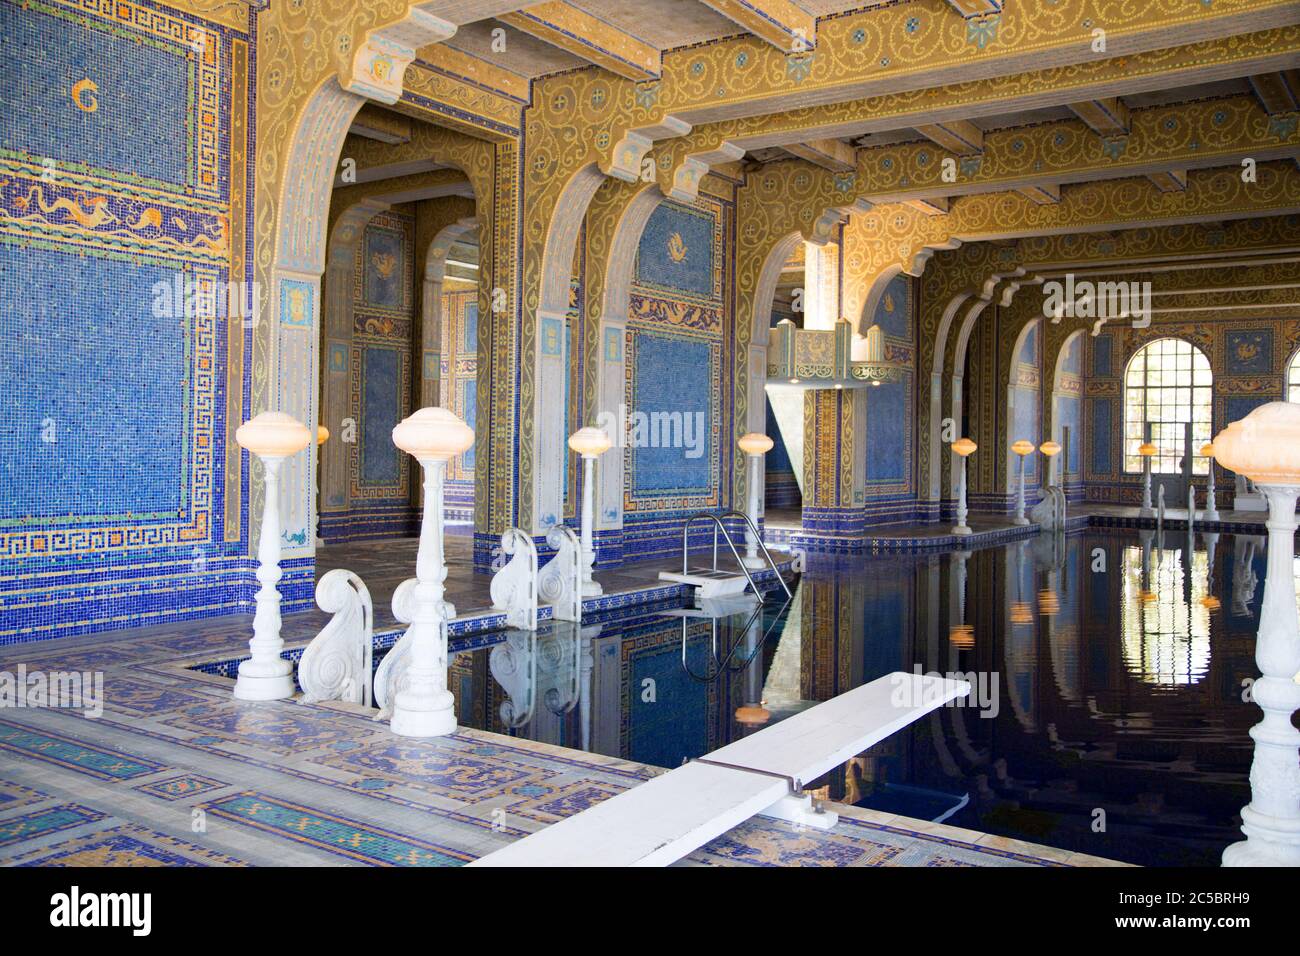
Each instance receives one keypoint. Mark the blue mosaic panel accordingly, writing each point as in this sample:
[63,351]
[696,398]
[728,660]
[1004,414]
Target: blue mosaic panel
[1237,407]
[1068,407]
[1025,424]
[1103,355]
[673,376]
[676,250]
[80,91]
[1248,352]
[469,402]
[469,334]
[385,268]
[381,410]
[102,429]
[894,312]
[888,425]
[1101,411]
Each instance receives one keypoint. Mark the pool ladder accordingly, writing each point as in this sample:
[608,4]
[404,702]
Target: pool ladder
[712,582]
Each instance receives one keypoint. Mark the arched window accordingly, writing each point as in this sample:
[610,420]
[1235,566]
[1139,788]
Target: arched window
[1168,382]
[1293,379]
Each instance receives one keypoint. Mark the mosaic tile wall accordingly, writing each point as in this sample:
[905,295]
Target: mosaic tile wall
[1069,405]
[890,438]
[380,385]
[1026,414]
[678,348]
[1249,359]
[458,387]
[125,174]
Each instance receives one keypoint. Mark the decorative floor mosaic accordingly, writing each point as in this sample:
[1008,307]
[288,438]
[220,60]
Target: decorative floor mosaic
[177,773]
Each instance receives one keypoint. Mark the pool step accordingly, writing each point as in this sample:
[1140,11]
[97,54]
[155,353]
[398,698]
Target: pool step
[716,608]
[709,583]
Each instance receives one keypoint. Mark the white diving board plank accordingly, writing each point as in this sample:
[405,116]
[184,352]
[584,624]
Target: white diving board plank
[819,739]
[652,824]
[666,818]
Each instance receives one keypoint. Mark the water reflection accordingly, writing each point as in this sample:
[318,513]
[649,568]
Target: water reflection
[1109,680]
[1165,620]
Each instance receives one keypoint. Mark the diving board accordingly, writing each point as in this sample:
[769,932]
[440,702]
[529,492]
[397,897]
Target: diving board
[664,819]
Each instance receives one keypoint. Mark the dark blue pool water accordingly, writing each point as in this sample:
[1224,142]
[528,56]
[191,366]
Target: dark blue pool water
[1109,684]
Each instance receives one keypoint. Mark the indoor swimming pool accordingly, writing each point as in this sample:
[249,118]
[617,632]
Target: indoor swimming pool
[1110,706]
[1109,716]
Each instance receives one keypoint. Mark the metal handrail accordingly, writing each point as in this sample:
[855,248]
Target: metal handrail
[719,526]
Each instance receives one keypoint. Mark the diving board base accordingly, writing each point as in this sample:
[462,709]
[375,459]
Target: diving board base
[799,809]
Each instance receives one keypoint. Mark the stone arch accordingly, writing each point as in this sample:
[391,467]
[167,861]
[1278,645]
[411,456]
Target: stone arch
[435,270]
[336,325]
[756,407]
[1010,472]
[1053,406]
[550,359]
[611,362]
[289,346]
[291,342]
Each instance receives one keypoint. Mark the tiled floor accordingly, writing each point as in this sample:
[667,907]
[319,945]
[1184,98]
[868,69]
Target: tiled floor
[176,772]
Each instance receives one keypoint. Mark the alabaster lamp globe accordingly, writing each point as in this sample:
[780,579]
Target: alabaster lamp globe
[1207,450]
[1264,446]
[432,433]
[964,447]
[1023,447]
[273,435]
[755,443]
[1146,449]
[322,434]
[589,441]
[1050,448]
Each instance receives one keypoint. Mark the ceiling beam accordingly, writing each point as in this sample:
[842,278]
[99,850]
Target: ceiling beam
[976,8]
[1169,180]
[1208,133]
[1046,194]
[1277,92]
[936,206]
[576,31]
[961,137]
[832,154]
[381,125]
[1108,116]
[781,23]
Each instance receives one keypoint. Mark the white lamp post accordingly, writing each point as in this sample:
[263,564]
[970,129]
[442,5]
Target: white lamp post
[272,437]
[1147,451]
[1211,506]
[322,436]
[1050,450]
[424,707]
[1023,448]
[590,443]
[755,445]
[964,447]
[1265,447]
